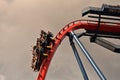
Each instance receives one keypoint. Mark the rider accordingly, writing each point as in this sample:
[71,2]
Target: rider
[50,40]
[37,67]
[46,44]
[45,40]
[41,49]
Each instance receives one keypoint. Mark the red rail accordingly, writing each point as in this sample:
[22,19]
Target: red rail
[79,24]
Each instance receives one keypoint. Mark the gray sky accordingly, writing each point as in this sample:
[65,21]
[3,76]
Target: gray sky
[20,24]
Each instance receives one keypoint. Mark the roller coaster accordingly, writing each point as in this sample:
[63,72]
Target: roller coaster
[103,27]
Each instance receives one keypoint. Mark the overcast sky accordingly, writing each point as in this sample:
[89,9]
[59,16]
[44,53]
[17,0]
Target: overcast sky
[20,25]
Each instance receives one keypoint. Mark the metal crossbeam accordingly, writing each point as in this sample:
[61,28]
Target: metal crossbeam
[108,45]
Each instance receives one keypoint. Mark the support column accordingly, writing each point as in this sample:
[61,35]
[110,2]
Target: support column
[78,58]
[98,71]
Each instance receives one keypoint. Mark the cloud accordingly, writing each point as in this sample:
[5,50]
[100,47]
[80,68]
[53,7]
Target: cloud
[9,1]
[3,7]
[2,77]
[20,24]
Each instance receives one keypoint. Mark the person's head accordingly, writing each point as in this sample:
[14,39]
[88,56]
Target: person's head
[42,31]
[38,43]
[38,39]
[34,47]
[50,34]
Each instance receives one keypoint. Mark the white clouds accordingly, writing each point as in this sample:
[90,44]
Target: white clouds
[9,1]
[20,23]
[2,77]
[3,7]
[6,31]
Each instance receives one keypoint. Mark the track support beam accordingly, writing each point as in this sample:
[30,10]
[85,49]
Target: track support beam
[108,45]
[78,58]
[96,68]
